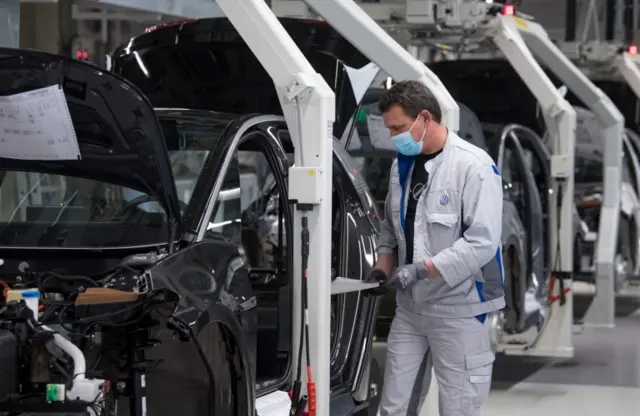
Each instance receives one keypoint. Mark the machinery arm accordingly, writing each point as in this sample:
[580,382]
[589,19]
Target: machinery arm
[308,104]
[560,119]
[555,338]
[602,311]
[348,18]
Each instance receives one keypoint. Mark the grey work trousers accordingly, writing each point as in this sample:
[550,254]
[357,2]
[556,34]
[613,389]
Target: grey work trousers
[459,351]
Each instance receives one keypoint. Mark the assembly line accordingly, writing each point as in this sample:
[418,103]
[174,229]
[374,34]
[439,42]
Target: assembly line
[264,266]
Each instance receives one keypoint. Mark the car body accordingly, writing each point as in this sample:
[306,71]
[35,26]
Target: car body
[194,202]
[588,184]
[479,83]
[369,145]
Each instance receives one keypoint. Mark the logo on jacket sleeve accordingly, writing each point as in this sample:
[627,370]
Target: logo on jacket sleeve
[444,200]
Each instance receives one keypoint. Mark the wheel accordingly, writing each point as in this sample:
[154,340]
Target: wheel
[376,382]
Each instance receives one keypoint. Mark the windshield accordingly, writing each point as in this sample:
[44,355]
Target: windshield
[588,169]
[45,210]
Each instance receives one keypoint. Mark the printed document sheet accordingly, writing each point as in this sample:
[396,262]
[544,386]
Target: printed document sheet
[36,125]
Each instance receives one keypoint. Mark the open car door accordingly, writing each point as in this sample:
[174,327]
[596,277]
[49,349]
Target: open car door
[515,166]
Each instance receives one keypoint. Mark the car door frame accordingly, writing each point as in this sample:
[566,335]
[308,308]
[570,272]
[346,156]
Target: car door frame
[348,361]
[356,219]
[528,139]
[533,219]
[275,155]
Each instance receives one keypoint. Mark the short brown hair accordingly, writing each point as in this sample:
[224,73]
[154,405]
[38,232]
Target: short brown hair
[412,97]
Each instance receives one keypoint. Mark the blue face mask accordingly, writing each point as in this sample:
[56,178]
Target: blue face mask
[405,144]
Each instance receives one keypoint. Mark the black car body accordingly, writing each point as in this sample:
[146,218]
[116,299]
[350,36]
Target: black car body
[588,190]
[375,156]
[480,84]
[190,203]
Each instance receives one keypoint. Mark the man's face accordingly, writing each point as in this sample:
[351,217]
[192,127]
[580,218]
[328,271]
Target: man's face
[397,121]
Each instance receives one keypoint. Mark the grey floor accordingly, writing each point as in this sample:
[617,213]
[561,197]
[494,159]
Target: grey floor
[602,378]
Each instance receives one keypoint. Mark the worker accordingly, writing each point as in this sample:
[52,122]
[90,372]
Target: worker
[439,247]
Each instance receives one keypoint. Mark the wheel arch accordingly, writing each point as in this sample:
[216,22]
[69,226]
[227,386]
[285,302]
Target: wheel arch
[238,353]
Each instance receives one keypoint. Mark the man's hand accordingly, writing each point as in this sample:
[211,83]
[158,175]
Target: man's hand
[403,278]
[406,276]
[378,275]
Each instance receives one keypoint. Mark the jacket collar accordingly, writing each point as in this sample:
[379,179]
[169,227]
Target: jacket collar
[433,164]
[406,162]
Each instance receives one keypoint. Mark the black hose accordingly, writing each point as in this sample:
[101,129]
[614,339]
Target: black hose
[296,400]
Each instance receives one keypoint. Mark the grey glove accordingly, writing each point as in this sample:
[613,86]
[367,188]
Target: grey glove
[406,276]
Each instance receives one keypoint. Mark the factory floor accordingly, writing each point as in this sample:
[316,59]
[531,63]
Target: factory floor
[603,378]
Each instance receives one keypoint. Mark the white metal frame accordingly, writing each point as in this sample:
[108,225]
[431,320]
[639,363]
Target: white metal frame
[350,20]
[308,107]
[601,313]
[599,59]
[555,337]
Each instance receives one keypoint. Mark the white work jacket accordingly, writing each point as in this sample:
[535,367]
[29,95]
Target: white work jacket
[458,226]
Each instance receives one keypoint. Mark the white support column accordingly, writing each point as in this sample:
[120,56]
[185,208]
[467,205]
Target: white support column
[560,118]
[308,104]
[10,23]
[601,312]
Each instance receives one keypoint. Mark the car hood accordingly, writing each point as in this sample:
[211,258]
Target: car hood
[119,137]
[205,64]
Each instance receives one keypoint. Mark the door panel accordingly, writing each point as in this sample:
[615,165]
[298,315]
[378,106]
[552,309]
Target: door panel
[354,310]
[521,189]
[535,156]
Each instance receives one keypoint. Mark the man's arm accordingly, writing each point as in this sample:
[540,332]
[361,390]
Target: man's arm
[387,241]
[482,210]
